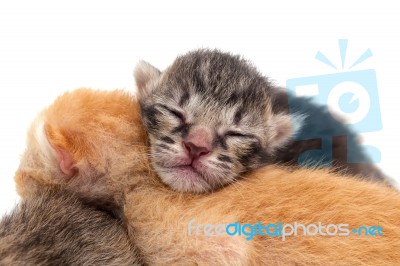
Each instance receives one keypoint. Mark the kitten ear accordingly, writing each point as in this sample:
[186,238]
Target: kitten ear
[59,147]
[283,128]
[66,162]
[145,74]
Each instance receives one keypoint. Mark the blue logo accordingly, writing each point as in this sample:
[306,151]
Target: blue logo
[280,229]
[352,99]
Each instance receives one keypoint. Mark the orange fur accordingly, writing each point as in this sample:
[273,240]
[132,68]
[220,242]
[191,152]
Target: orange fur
[103,134]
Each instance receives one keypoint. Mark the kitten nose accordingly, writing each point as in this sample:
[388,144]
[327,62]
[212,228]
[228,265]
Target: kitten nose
[195,151]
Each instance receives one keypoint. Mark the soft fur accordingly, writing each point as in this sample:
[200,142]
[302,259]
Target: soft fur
[56,227]
[102,132]
[212,117]
[52,225]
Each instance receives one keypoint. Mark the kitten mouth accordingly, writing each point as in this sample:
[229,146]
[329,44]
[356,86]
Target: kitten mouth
[187,168]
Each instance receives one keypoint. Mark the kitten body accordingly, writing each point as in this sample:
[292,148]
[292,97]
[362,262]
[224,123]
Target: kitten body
[212,117]
[53,225]
[158,218]
[56,227]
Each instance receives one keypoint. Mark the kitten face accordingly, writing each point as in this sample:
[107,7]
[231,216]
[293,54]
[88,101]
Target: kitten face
[209,118]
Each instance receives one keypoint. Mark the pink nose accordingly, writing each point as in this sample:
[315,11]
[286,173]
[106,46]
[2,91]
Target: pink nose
[195,151]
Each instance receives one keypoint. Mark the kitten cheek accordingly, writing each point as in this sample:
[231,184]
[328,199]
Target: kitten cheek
[215,174]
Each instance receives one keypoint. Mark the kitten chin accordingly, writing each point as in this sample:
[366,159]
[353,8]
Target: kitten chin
[212,117]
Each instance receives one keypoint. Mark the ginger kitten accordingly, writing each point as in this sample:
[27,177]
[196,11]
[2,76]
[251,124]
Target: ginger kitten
[53,225]
[100,134]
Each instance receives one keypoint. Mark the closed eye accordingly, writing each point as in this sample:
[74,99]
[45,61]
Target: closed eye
[178,115]
[174,112]
[236,134]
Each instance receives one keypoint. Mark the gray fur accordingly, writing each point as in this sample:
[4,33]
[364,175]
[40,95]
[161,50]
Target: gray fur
[59,228]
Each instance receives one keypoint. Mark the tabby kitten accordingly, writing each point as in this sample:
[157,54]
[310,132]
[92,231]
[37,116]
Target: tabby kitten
[212,117]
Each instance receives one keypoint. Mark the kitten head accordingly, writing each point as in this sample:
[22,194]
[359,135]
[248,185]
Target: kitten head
[210,119]
[84,136]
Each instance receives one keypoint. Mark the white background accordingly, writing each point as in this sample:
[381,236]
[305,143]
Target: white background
[49,47]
